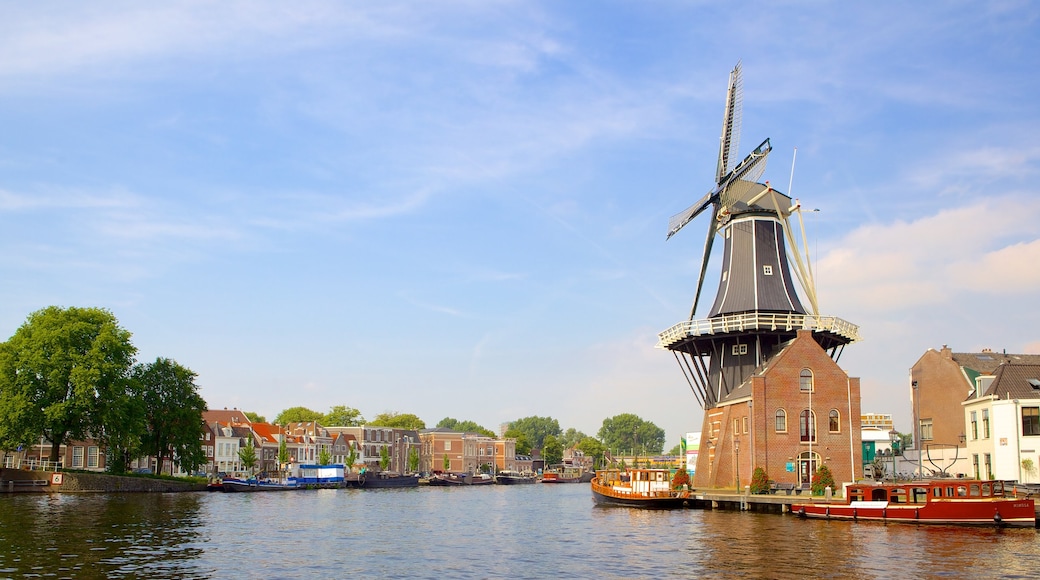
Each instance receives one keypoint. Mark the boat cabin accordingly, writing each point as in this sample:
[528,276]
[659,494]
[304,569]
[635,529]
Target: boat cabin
[920,492]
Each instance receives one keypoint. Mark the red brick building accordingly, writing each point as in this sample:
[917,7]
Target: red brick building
[798,412]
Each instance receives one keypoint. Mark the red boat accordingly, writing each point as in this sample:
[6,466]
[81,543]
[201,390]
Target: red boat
[942,501]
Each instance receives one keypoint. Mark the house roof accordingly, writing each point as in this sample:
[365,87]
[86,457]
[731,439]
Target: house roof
[226,416]
[1012,381]
[986,362]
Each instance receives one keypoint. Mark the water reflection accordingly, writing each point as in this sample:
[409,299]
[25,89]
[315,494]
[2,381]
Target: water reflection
[489,532]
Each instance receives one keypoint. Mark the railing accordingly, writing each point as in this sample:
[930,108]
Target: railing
[757,321]
[32,464]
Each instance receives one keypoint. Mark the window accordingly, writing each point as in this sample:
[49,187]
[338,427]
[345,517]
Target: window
[739,349]
[926,429]
[1031,420]
[985,423]
[767,270]
[447,445]
[92,456]
[736,425]
[805,381]
[975,464]
[988,464]
[781,421]
[77,457]
[807,425]
[834,421]
[974,426]
[745,425]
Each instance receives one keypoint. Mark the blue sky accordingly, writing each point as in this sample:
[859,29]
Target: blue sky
[459,208]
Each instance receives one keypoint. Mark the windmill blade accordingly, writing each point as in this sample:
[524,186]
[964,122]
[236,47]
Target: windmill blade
[712,229]
[729,143]
[749,170]
[677,221]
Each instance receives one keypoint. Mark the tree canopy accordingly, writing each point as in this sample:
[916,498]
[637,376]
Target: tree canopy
[571,437]
[592,447]
[59,374]
[173,413]
[297,415]
[523,446]
[464,426]
[627,433]
[341,416]
[552,451]
[398,420]
[255,417]
[536,429]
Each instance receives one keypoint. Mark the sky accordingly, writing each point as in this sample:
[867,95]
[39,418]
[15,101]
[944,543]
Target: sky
[459,209]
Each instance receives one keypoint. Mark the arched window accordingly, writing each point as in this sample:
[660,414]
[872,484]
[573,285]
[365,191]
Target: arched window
[781,421]
[834,421]
[807,425]
[805,381]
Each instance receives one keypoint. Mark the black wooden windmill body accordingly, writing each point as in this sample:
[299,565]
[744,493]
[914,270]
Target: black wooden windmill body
[756,308]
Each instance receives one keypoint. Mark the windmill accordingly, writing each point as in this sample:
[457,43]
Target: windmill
[757,307]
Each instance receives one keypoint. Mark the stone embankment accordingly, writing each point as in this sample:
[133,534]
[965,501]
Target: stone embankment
[17,480]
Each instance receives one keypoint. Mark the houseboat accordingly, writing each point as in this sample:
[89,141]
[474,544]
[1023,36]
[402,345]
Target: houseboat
[459,479]
[941,501]
[507,477]
[643,488]
[252,485]
[566,474]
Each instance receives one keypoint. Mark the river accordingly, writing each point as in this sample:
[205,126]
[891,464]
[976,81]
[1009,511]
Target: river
[531,531]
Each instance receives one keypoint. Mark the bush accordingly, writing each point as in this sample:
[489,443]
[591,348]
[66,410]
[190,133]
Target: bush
[759,481]
[821,480]
[681,478]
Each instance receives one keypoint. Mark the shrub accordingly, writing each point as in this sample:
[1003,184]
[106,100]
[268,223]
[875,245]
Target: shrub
[821,480]
[759,481]
[681,478]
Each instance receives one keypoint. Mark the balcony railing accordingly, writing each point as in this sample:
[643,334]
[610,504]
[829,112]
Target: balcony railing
[757,321]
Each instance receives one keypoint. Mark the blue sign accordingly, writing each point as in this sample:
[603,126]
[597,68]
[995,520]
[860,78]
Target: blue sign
[790,467]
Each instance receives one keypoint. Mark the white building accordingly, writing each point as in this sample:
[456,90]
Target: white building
[1002,424]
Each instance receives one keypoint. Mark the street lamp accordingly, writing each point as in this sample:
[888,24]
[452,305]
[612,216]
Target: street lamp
[917,425]
[893,437]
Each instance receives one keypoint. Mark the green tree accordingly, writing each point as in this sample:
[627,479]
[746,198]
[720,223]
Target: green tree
[759,481]
[591,447]
[341,416]
[464,427]
[324,456]
[254,417]
[413,461]
[124,444]
[536,429]
[676,451]
[173,413]
[352,456]
[629,433]
[523,446]
[552,451]
[571,437]
[447,462]
[384,457]
[283,453]
[821,480]
[59,374]
[398,421]
[247,455]
[297,415]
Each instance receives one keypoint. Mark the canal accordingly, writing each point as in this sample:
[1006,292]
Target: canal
[531,531]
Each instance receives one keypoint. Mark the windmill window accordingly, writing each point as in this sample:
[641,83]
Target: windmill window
[739,349]
[805,381]
[781,421]
[767,270]
[834,421]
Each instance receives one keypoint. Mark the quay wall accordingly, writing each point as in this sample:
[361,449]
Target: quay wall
[16,480]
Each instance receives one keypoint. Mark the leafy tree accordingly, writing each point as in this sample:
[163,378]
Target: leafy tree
[324,456]
[591,447]
[464,427]
[523,446]
[413,461]
[352,456]
[255,417]
[125,444]
[677,450]
[297,415]
[628,432]
[822,479]
[283,452]
[759,481]
[447,462]
[247,455]
[552,451]
[59,374]
[398,421]
[536,429]
[173,413]
[341,416]
[384,457]
[571,437]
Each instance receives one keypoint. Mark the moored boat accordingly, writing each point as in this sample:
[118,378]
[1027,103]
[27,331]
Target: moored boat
[642,488]
[942,501]
[564,474]
[460,479]
[514,478]
[382,479]
[232,485]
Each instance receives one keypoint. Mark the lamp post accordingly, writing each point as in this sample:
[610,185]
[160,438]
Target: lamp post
[917,425]
[893,440]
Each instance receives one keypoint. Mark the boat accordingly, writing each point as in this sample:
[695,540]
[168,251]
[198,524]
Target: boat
[234,485]
[642,488]
[508,477]
[567,474]
[942,501]
[382,479]
[459,479]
